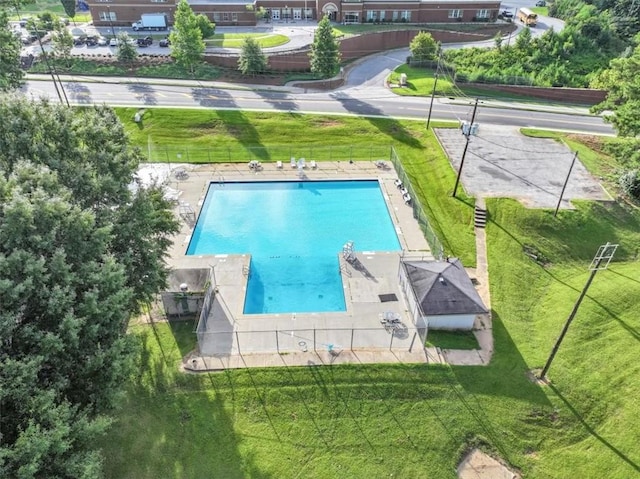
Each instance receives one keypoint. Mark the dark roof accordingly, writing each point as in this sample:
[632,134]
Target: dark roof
[195,279]
[443,287]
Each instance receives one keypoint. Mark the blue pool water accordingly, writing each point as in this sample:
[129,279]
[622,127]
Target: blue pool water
[294,232]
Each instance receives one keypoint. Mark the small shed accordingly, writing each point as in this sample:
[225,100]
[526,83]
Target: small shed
[441,294]
[185,292]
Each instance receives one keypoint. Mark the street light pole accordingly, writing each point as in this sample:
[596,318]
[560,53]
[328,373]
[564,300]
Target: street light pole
[600,261]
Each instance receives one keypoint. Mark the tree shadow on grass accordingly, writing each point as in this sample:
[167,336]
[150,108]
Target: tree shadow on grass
[379,119]
[241,128]
[174,424]
[591,430]
[506,375]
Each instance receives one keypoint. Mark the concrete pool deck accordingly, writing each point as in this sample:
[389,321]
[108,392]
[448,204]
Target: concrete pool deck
[236,340]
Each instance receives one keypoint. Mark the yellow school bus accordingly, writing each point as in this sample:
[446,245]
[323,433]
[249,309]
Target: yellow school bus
[527,17]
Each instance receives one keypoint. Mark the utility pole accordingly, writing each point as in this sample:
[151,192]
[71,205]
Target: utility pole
[59,88]
[573,162]
[466,145]
[433,94]
[600,261]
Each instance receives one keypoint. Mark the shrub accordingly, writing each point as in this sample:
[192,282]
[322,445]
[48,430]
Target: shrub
[629,181]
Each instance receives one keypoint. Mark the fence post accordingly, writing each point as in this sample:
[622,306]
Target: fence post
[277,343]
[209,154]
[188,155]
[351,348]
[238,343]
[166,154]
[314,340]
[330,152]
[351,153]
[229,153]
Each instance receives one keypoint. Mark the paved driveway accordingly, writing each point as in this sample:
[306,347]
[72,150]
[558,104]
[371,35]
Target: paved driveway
[501,162]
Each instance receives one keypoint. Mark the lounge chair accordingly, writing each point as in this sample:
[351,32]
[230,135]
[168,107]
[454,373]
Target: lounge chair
[407,198]
[379,164]
[313,164]
[398,183]
[293,162]
[279,164]
[302,163]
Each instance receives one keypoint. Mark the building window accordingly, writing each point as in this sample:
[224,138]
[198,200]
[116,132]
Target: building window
[395,16]
[406,16]
[351,17]
[371,15]
[234,17]
[381,15]
[455,13]
[107,16]
[158,1]
[482,13]
[216,16]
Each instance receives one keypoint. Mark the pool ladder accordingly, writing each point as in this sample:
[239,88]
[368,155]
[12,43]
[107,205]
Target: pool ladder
[246,270]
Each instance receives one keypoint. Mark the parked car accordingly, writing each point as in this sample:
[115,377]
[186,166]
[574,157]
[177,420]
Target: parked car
[79,41]
[506,14]
[541,3]
[102,41]
[113,42]
[165,42]
[145,42]
[91,41]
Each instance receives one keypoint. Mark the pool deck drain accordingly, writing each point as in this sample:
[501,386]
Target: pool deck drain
[377,275]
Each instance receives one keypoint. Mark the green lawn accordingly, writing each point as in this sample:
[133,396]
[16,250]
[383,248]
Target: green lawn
[53,6]
[235,40]
[408,421]
[452,339]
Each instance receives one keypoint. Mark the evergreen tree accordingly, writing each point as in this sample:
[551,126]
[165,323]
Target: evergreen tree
[187,46]
[69,7]
[252,60]
[62,43]
[79,251]
[127,52]
[325,53]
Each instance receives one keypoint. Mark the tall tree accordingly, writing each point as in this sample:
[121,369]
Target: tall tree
[78,252]
[325,53]
[207,27]
[423,47]
[10,72]
[252,60]
[126,53]
[622,82]
[62,43]
[187,46]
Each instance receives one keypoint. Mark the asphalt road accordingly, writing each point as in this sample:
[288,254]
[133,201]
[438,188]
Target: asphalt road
[374,101]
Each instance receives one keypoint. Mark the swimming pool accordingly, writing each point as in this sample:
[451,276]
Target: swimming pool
[294,231]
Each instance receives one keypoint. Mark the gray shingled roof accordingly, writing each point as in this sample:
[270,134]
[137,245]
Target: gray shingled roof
[443,287]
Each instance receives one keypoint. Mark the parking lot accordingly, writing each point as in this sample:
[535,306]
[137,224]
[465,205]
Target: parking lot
[502,162]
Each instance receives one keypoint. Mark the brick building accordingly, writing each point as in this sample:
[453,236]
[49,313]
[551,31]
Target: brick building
[243,12]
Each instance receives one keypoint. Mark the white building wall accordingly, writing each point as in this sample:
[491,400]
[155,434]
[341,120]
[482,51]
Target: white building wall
[450,321]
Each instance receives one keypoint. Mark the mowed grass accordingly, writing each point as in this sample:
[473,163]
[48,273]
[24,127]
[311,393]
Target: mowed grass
[236,40]
[367,421]
[237,136]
